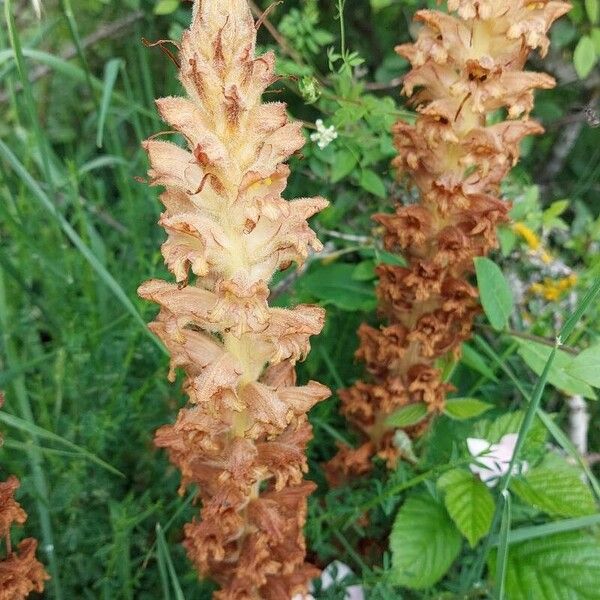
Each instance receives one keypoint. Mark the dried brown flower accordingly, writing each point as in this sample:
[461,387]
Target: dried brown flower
[20,572]
[463,68]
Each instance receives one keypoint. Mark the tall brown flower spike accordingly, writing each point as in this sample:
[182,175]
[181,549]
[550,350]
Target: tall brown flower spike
[20,572]
[241,439]
[463,69]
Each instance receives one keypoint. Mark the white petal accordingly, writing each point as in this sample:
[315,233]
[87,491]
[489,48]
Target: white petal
[477,446]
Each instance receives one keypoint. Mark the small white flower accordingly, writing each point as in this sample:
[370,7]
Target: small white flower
[493,460]
[324,135]
[335,572]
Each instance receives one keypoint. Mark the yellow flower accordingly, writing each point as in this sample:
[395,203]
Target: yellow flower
[552,290]
[531,238]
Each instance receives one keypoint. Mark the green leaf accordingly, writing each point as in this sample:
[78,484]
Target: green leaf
[377,5]
[364,271]
[333,284]
[407,415]
[536,355]
[424,543]
[343,163]
[565,566]
[166,7]
[556,488]
[584,57]
[592,7]
[469,503]
[595,35]
[475,361]
[465,408]
[111,70]
[496,297]
[370,181]
[586,366]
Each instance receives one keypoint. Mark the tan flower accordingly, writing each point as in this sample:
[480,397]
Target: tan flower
[241,438]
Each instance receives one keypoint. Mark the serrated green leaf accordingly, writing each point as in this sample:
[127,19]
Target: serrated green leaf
[370,181]
[565,566]
[584,57]
[586,366]
[556,488]
[343,163]
[333,284]
[469,502]
[407,415]
[424,543]
[166,7]
[465,408]
[496,297]
[536,355]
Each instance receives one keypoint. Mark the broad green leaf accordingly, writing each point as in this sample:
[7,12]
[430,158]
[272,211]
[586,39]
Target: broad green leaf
[469,503]
[565,566]
[424,543]
[333,284]
[166,7]
[343,164]
[586,366]
[370,181]
[466,408]
[584,57]
[496,297]
[556,488]
[536,355]
[407,415]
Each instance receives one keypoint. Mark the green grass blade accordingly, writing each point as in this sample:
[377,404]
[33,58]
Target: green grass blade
[73,72]
[555,431]
[111,71]
[42,144]
[502,558]
[74,30]
[532,408]
[536,531]
[39,432]
[165,556]
[100,270]
[582,307]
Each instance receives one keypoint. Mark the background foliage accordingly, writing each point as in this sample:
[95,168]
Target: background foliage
[86,384]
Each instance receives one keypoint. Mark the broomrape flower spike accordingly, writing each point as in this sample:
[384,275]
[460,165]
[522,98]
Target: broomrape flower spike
[20,571]
[464,68]
[324,135]
[241,439]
